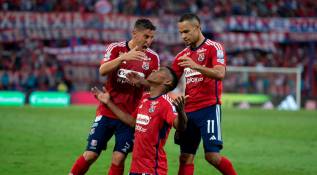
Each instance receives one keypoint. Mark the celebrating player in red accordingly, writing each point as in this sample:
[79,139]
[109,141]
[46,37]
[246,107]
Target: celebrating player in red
[120,59]
[203,63]
[152,120]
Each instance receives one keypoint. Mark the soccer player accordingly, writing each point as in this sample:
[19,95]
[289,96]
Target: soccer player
[152,120]
[120,59]
[203,63]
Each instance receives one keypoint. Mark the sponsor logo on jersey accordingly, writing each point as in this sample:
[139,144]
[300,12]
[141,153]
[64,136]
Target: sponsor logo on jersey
[140,128]
[143,119]
[190,72]
[122,73]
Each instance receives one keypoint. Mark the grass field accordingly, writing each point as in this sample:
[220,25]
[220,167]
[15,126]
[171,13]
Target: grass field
[37,141]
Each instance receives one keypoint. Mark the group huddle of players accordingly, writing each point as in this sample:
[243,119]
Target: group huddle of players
[135,108]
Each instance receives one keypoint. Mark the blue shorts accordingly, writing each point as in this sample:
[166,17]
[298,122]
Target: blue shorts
[103,129]
[204,123]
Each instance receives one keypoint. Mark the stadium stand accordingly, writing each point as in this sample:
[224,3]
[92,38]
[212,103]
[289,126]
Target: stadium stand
[30,63]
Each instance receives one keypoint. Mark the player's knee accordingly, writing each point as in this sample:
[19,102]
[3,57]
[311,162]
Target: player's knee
[213,158]
[90,156]
[186,158]
[118,158]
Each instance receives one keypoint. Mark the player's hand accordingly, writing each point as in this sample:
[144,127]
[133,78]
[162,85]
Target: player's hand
[133,54]
[134,78]
[102,96]
[186,61]
[179,103]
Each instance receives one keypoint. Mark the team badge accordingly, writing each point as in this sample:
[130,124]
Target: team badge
[152,108]
[146,65]
[201,57]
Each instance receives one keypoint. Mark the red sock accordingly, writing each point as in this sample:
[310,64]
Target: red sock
[116,170]
[225,167]
[80,167]
[186,169]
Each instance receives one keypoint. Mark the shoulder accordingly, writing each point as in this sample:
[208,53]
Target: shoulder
[167,99]
[213,45]
[181,53]
[115,45]
[153,54]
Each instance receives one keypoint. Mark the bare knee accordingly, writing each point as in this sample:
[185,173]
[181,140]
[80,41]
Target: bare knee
[185,158]
[118,158]
[90,156]
[213,158]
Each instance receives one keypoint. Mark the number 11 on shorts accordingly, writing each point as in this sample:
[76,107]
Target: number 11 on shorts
[212,126]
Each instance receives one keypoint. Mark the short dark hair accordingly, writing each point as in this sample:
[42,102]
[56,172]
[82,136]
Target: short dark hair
[143,24]
[189,17]
[174,80]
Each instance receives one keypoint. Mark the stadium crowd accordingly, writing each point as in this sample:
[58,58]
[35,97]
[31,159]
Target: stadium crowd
[26,67]
[211,8]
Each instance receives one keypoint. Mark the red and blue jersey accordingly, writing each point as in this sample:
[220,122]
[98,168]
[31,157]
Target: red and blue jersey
[123,94]
[154,119]
[203,91]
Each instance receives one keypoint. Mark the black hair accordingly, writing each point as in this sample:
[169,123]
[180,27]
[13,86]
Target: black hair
[143,23]
[189,17]
[174,79]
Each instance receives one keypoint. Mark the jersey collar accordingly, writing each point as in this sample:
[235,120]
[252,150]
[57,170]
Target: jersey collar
[195,48]
[154,98]
[127,45]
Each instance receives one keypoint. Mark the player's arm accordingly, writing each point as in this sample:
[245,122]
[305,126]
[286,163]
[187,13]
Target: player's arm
[137,80]
[217,72]
[180,122]
[104,97]
[111,65]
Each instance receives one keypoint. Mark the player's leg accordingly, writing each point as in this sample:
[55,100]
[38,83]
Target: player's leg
[189,141]
[100,133]
[123,145]
[210,128]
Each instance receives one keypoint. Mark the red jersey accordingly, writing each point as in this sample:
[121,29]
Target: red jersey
[123,94]
[202,91]
[154,119]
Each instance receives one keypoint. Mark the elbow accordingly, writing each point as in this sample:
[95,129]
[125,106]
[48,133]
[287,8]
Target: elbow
[220,76]
[102,72]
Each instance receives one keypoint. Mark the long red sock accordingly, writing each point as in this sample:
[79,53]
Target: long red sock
[225,167]
[80,167]
[116,170]
[186,169]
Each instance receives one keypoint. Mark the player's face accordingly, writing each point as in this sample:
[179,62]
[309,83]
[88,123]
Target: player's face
[161,76]
[189,32]
[143,38]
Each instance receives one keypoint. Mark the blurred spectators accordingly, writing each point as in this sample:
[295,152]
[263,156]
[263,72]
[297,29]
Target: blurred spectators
[219,8]
[26,67]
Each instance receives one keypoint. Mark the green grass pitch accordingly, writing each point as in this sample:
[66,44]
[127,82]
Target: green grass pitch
[37,141]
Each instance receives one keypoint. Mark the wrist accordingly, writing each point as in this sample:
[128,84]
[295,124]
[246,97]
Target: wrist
[197,67]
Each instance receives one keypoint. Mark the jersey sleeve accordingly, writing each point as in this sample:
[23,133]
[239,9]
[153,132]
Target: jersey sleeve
[170,113]
[111,53]
[218,55]
[177,69]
